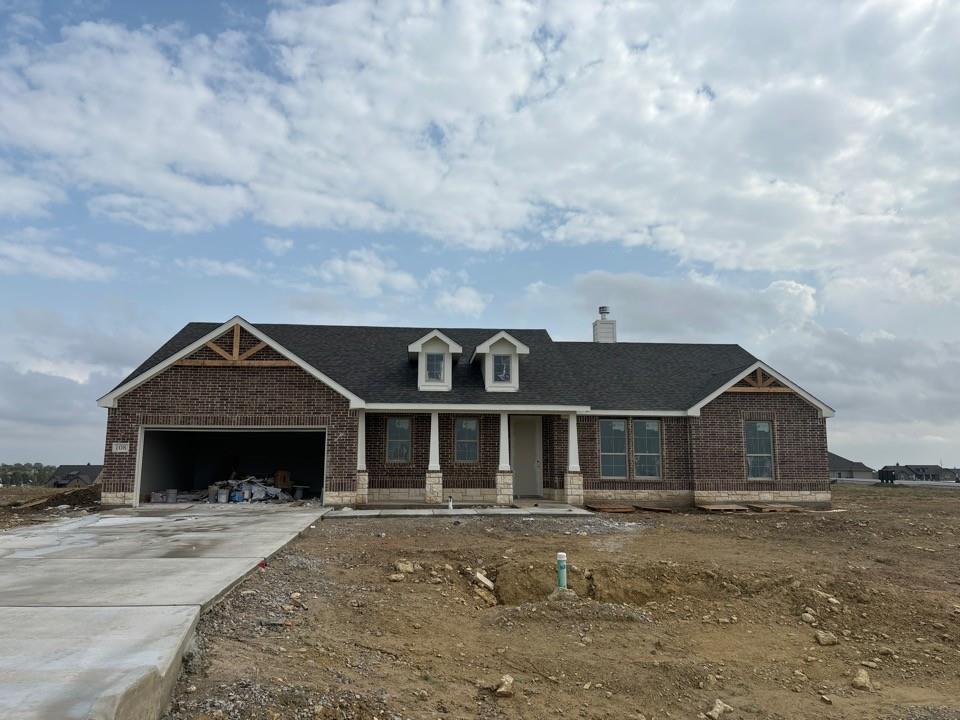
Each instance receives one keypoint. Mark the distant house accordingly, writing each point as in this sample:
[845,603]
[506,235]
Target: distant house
[910,473]
[840,467]
[75,476]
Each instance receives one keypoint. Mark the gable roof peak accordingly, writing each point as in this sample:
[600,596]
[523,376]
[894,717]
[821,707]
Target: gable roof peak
[435,334]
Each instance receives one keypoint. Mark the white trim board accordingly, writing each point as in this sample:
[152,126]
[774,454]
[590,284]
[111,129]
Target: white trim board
[474,407]
[110,399]
[825,410]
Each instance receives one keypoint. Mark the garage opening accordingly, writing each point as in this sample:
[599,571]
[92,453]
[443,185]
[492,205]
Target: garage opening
[193,460]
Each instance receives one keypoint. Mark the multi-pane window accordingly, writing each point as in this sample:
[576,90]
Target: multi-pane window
[435,367]
[613,448]
[467,439]
[758,435]
[501,368]
[398,439]
[646,448]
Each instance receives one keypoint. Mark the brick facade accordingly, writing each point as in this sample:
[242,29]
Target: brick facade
[226,397]
[702,458]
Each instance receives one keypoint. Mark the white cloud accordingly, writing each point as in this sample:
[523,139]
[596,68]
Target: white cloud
[29,253]
[216,268]
[278,246]
[365,273]
[465,300]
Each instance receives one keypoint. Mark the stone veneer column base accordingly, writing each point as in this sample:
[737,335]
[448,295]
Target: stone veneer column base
[433,490]
[339,498]
[504,488]
[116,498]
[363,484]
[573,488]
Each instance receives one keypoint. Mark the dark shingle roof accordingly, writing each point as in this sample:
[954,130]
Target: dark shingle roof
[373,363]
[65,474]
[838,462]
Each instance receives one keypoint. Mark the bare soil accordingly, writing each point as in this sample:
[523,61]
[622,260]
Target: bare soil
[675,612]
[19,506]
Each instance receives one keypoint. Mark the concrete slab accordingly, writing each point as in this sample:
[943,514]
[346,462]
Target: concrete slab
[456,511]
[350,513]
[502,511]
[116,659]
[95,612]
[111,583]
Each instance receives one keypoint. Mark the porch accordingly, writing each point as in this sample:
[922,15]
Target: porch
[474,459]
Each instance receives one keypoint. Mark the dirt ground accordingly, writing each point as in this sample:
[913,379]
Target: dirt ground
[676,611]
[13,515]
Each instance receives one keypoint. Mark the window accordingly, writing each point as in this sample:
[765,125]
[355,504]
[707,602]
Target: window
[646,448]
[759,439]
[435,362]
[398,440]
[613,448]
[467,440]
[501,368]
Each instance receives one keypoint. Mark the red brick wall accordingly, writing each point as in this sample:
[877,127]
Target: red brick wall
[481,474]
[675,463]
[555,437]
[708,452]
[397,475]
[232,397]
[799,443]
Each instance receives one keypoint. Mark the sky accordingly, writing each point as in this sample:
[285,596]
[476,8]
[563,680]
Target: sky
[785,176]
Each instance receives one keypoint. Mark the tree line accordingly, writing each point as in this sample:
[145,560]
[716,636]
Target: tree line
[26,473]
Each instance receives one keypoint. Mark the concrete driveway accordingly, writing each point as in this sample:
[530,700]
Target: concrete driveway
[95,612]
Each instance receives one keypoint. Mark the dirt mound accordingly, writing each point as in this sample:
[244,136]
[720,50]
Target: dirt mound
[75,497]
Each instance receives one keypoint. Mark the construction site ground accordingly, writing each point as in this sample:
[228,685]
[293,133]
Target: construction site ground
[384,618]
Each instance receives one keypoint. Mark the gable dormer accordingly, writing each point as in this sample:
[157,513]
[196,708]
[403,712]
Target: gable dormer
[500,357]
[435,354]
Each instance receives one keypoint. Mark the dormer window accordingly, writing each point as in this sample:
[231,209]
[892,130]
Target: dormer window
[435,367]
[435,354]
[500,358]
[501,368]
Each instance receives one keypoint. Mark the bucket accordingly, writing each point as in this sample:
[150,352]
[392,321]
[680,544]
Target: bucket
[223,495]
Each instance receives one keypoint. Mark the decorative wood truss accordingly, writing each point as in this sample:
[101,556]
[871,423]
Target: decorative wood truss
[234,358]
[760,381]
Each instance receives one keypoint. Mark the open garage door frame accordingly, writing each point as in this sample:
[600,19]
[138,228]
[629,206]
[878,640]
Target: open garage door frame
[144,429]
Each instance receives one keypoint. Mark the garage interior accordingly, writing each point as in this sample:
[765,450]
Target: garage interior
[192,460]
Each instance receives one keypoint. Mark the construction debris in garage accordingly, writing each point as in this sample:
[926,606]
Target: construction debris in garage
[235,490]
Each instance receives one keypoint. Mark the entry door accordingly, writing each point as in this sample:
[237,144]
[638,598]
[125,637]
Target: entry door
[525,455]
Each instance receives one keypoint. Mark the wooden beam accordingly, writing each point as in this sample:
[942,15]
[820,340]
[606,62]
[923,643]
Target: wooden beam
[236,363]
[236,342]
[253,351]
[741,388]
[219,350]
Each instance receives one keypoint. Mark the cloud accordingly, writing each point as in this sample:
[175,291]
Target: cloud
[365,273]
[28,253]
[216,268]
[278,246]
[584,123]
[465,300]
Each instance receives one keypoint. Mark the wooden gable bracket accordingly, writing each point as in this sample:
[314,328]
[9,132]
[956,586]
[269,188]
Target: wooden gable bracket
[235,358]
[760,381]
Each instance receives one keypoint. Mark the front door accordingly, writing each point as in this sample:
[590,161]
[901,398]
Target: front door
[525,455]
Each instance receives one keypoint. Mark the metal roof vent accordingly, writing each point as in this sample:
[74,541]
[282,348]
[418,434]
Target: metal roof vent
[604,329]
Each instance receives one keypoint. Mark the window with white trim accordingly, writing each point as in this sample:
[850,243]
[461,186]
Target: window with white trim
[502,365]
[467,440]
[434,367]
[758,438]
[613,448]
[398,439]
[646,448]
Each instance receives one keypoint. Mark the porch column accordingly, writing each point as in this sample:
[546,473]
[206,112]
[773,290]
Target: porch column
[504,471]
[572,478]
[433,487]
[504,442]
[363,480]
[573,447]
